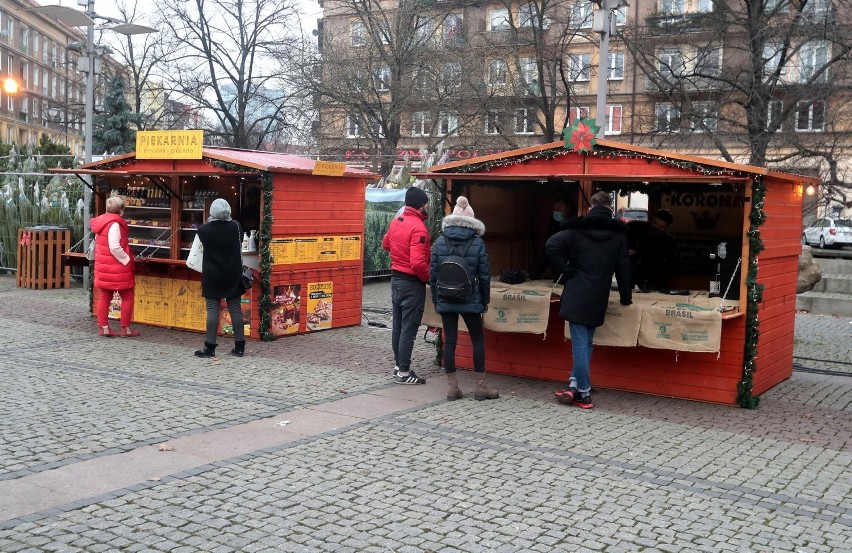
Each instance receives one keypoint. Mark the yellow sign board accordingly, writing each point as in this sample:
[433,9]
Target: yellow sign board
[329,168]
[314,249]
[169,144]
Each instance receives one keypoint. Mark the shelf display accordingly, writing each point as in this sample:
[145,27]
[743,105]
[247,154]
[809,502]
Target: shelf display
[150,230]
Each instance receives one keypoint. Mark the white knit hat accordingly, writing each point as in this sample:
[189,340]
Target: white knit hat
[463,207]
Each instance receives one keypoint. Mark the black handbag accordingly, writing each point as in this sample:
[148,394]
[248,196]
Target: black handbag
[247,278]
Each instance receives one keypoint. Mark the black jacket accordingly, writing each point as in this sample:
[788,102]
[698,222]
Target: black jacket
[589,251]
[222,263]
[456,229]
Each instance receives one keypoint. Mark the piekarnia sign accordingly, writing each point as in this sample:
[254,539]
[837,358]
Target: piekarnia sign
[169,144]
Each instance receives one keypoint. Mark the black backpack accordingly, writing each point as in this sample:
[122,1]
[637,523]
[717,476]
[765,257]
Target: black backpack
[454,282]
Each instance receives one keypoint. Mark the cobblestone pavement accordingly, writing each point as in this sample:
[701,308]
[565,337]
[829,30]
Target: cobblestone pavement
[326,454]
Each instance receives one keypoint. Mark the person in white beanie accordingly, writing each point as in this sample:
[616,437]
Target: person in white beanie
[463,207]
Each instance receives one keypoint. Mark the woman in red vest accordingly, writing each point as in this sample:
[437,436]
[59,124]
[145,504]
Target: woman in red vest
[114,267]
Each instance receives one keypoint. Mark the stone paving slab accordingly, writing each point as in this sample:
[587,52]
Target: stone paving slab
[366,465]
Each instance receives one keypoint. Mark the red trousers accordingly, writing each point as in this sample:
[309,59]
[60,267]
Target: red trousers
[104,299]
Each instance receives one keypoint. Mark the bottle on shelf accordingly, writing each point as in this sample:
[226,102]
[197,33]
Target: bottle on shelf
[245,242]
[252,241]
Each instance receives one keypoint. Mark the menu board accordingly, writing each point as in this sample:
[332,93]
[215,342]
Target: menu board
[188,307]
[320,301]
[177,303]
[153,300]
[314,249]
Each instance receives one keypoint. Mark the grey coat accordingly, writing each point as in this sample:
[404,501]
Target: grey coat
[456,229]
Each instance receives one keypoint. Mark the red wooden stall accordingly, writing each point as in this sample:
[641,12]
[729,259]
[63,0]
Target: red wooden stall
[512,193]
[307,248]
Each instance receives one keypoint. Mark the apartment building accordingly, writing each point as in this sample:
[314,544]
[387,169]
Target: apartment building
[41,55]
[695,76]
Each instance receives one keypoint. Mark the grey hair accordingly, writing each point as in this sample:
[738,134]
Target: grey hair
[114,204]
[220,210]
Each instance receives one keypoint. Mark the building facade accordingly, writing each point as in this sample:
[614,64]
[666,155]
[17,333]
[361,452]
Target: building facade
[41,55]
[696,76]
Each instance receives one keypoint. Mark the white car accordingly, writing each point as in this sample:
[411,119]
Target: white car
[827,232]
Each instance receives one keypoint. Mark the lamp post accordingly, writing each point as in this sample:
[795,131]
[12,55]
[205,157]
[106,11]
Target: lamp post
[91,66]
[603,23]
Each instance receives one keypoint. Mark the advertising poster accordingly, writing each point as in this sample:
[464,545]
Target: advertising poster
[115,306]
[320,299]
[225,325]
[286,307]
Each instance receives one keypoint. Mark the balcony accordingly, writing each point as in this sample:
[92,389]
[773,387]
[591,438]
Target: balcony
[676,23]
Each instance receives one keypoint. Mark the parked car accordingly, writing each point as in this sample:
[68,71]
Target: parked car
[828,232]
[632,214]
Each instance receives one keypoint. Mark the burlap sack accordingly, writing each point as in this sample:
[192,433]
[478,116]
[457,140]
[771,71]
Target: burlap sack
[620,328]
[431,317]
[518,308]
[682,328]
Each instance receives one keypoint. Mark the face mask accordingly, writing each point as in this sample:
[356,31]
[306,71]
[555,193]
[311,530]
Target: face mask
[558,217]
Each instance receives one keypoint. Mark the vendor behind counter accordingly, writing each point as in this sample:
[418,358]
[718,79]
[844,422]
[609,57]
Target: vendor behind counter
[651,250]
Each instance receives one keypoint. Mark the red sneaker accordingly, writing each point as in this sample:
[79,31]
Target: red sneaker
[583,401]
[566,395]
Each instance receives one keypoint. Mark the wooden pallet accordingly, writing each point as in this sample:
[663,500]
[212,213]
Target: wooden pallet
[40,258]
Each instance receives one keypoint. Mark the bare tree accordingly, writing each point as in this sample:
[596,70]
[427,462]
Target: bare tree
[220,59]
[760,81]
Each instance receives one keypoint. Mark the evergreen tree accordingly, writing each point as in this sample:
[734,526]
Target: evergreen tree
[112,132]
[54,154]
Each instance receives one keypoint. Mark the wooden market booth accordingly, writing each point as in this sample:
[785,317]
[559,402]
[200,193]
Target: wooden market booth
[734,210]
[307,217]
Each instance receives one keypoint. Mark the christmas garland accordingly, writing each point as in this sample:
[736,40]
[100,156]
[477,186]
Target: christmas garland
[754,295]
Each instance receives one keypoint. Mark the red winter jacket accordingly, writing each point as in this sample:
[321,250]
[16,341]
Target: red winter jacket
[407,240]
[109,273]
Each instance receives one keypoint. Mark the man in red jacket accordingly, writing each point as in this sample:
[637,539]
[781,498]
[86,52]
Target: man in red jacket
[407,240]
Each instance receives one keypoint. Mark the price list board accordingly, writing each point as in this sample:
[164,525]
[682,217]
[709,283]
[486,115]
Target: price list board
[189,310]
[169,302]
[314,249]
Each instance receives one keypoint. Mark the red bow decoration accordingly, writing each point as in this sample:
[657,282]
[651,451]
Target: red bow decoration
[25,239]
[581,135]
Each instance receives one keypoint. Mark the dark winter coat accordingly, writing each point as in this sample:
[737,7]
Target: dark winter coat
[589,251]
[110,274]
[407,240]
[222,261]
[456,229]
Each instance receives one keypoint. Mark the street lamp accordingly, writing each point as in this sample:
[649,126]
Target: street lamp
[90,65]
[10,85]
[603,23]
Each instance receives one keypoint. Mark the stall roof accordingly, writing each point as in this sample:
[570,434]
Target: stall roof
[274,162]
[462,169]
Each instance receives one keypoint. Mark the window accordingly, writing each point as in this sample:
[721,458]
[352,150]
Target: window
[776,6]
[10,103]
[578,113]
[44,82]
[421,82]
[581,14]
[378,129]
[527,15]
[705,6]
[492,122]
[358,34]
[10,64]
[772,58]
[25,75]
[354,127]
[450,76]
[671,62]
[35,43]
[10,26]
[36,72]
[612,120]
[621,16]
[528,71]
[816,11]
[498,72]
[810,116]
[671,7]
[383,79]
[448,123]
[812,61]
[708,61]
[357,79]
[424,30]
[498,20]
[579,66]
[453,32]
[616,66]
[25,40]
[524,121]
[774,114]
[668,118]
[705,117]
[45,51]
[54,59]
[420,125]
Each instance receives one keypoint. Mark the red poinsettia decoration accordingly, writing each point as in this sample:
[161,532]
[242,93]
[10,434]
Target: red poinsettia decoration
[581,136]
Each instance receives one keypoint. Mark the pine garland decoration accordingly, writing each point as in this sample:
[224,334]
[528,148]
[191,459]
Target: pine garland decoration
[754,295]
[265,301]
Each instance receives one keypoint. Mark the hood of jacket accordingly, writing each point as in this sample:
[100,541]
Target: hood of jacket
[464,224]
[597,225]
